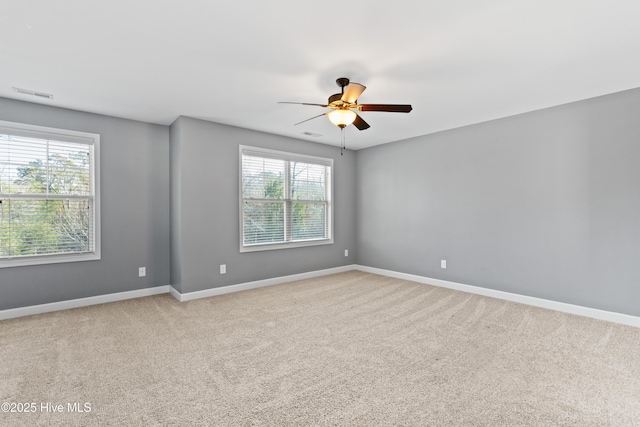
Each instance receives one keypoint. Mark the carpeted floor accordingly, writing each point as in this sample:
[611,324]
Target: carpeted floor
[347,349]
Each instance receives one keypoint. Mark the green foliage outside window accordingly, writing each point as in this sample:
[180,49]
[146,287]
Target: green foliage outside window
[35,216]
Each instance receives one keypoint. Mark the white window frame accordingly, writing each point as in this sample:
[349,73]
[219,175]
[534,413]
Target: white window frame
[283,155]
[64,135]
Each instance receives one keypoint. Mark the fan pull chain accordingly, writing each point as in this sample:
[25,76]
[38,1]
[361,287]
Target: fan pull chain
[342,144]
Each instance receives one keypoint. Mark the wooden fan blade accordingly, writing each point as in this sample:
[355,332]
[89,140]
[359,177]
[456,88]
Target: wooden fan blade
[302,103]
[390,108]
[314,117]
[352,92]
[360,123]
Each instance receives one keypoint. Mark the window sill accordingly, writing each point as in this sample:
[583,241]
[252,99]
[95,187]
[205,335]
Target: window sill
[289,245]
[47,259]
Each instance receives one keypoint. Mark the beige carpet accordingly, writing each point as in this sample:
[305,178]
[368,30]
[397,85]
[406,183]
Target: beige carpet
[347,349]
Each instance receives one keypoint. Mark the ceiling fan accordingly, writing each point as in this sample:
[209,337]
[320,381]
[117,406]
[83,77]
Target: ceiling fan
[343,104]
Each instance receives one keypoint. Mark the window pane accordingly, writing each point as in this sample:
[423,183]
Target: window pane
[69,168]
[37,227]
[285,199]
[23,164]
[262,178]
[308,182]
[49,191]
[263,222]
[35,166]
[309,221]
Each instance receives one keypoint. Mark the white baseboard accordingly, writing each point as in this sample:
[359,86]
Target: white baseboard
[594,313]
[609,316]
[257,284]
[174,293]
[81,302]
[121,296]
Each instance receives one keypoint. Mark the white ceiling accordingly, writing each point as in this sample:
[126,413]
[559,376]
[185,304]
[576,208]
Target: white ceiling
[457,62]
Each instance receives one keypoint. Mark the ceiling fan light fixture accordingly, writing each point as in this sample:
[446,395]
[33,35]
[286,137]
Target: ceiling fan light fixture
[341,118]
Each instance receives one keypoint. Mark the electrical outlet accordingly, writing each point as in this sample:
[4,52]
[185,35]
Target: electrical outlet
[443,263]
[142,271]
[346,252]
[223,268]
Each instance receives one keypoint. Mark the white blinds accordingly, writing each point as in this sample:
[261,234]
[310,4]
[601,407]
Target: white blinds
[285,198]
[263,192]
[47,196]
[309,195]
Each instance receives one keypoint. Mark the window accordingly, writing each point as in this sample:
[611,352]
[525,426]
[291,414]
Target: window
[49,204]
[285,200]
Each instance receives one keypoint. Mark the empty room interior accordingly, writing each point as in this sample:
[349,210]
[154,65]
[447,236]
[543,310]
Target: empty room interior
[280,213]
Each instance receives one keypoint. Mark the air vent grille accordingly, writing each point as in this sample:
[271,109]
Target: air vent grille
[33,93]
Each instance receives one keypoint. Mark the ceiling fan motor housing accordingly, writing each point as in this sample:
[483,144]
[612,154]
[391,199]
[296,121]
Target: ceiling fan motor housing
[335,97]
[342,82]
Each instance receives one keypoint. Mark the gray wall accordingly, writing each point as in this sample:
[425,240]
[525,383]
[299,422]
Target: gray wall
[134,212]
[176,204]
[545,204]
[205,208]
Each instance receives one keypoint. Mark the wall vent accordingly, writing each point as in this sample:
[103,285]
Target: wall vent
[315,135]
[33,93]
